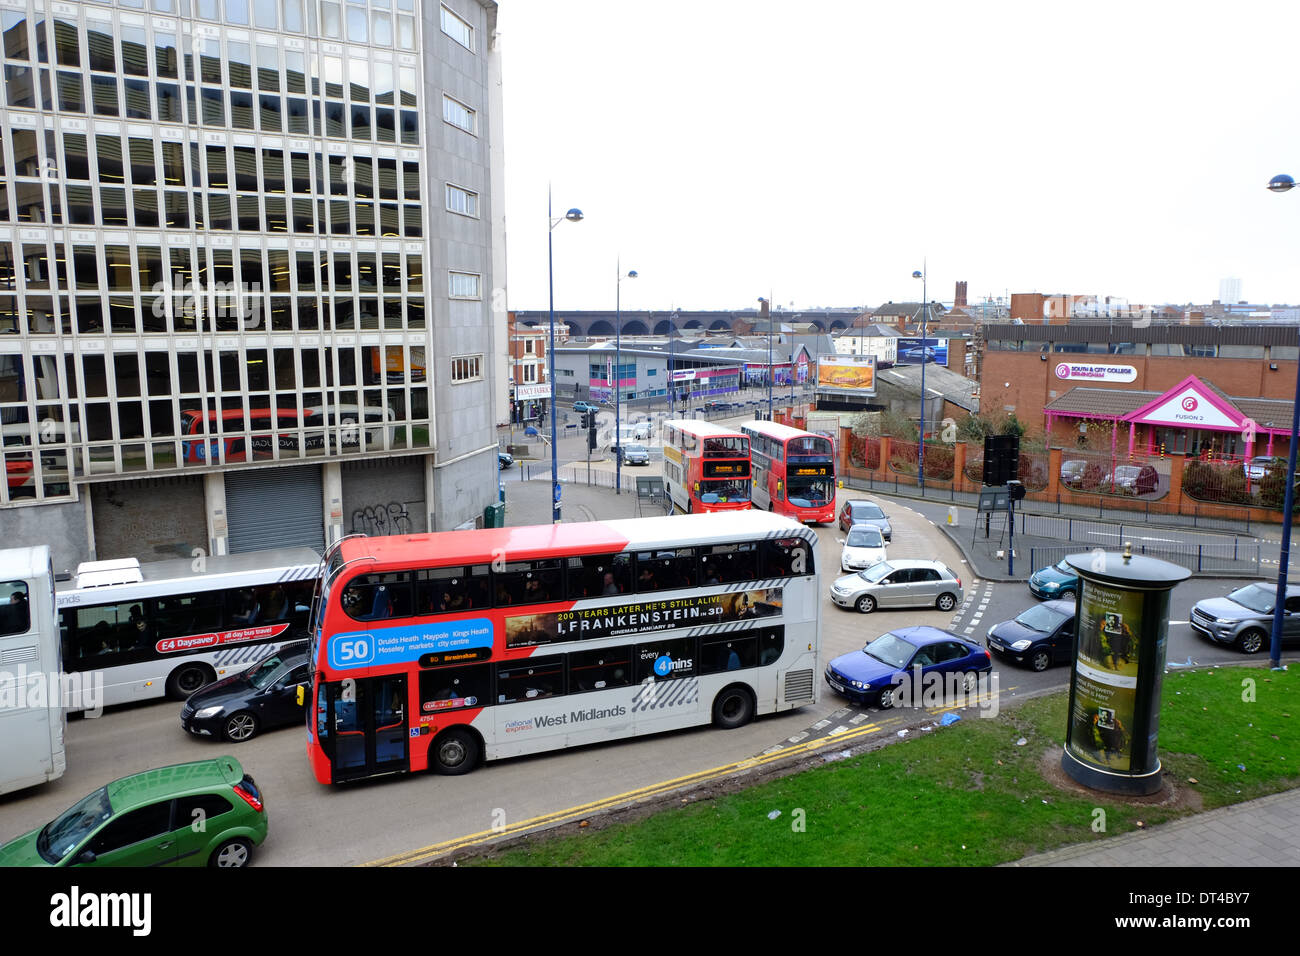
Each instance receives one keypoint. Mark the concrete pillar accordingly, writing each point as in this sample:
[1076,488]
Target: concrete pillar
[332,493]
[214,499]
[430,491]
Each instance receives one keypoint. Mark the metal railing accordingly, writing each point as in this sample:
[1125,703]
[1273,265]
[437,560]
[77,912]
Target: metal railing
[1233,558]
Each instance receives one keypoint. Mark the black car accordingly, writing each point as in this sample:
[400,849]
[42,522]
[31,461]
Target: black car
[260,698]
[1040,636]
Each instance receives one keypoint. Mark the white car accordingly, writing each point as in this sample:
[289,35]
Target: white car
[862,548]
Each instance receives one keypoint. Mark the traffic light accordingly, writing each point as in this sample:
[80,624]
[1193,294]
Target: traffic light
[591,431]
[1015,490]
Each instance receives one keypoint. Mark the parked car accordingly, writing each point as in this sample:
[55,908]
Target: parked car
[1257,468]
[865,512]
[1132,479]
[1073,472]
[261,698]
[504,460]
[874,673]
[584,406]
[1055,581]
[890,584]
[634,454]
[863,547]
[1244,617]
[147,819]
[1040,636]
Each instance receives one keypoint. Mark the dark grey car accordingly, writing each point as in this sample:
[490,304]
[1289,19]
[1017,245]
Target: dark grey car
[1245,617]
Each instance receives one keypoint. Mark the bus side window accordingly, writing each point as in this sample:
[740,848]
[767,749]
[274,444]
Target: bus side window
[448,688]
[770,645]
[15,618]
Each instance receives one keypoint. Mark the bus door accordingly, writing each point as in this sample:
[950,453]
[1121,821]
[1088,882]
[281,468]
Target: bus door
[370,726]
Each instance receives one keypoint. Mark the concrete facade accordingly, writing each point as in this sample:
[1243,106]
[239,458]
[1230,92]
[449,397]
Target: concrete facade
[154,520]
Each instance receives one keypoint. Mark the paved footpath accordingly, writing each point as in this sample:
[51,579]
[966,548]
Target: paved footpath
[1263,832]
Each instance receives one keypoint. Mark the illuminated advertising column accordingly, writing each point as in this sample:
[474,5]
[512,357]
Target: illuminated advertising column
[1121,628]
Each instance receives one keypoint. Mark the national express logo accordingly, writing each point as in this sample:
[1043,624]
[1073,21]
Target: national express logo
[1190,403]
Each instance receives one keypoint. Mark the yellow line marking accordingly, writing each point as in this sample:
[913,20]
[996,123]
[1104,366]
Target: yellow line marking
[560,816]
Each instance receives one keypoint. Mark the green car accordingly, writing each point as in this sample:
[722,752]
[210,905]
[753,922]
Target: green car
[192,814]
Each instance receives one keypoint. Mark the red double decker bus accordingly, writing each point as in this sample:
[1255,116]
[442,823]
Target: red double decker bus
[436,651]
[706,467]
[794,471]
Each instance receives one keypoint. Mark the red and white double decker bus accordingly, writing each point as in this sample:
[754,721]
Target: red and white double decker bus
[794,471]
[706,466]
[435,651]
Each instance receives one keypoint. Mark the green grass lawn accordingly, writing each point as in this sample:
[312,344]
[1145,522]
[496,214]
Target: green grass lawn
[961,795]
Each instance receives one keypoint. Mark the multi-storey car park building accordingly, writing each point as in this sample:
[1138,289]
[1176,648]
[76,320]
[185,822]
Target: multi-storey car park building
[246,271]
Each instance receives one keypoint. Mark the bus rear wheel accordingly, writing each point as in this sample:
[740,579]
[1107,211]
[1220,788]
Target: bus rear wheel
[733,708]
[454,752]
[188,678]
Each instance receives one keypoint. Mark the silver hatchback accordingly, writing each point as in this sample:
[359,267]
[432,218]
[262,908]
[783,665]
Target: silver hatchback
[899,583]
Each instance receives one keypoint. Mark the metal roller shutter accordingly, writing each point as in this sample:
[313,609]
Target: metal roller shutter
[275,508]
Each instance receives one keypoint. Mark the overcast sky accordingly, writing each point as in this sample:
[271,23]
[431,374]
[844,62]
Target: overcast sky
[817,153]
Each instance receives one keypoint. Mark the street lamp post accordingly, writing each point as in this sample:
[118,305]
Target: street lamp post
[573,215]
[920,452]
[618,374]
[769,356]
[1281,184]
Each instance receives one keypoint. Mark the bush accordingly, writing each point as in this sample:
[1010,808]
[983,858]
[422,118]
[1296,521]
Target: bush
[1226,484]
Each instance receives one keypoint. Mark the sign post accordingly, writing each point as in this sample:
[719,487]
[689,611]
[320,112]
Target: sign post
[1121,628]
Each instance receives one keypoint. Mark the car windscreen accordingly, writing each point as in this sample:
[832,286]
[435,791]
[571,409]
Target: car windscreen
[876,572]
[1256,597]
[58,838]
[1064,567]
[891,649]
[865,510]
[266,671]
[1040,618]
[863,537]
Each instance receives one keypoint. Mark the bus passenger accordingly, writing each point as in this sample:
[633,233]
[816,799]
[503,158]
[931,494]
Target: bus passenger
[611,588]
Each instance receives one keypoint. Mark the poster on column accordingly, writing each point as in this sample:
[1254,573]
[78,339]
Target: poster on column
[1105,698]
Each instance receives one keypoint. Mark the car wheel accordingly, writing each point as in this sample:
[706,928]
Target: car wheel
[866,604]
[240,726]
[1066,595]
[887,698]
[946,602]
[232,853]
[968,682]
[1251,642]
[1041,660]
[188,678]
[456,751]
[733,708]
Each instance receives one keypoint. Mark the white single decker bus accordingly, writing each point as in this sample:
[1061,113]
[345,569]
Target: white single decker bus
[32,720]
[171,627]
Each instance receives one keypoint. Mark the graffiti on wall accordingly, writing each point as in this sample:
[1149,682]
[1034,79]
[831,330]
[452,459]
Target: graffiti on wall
[381,519]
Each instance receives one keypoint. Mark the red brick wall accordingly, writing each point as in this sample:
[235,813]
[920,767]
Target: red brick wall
[1033,382]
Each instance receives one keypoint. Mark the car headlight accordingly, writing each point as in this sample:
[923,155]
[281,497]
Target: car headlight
[989,632]
[1224,620]
[857,684]
[1050,586]
[1020,645]
[209,711]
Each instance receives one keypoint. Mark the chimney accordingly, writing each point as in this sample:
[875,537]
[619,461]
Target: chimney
[959,299]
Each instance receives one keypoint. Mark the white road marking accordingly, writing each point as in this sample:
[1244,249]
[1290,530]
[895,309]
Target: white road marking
[860,718]
[820,724]
[842,728]
[797,737]
[969,630]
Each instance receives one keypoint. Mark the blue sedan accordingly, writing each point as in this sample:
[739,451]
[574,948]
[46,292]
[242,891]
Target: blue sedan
[1055,581]
[873,674]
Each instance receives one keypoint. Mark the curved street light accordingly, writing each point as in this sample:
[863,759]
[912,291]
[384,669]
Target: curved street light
[1281,184]
[618,374]
[573,215]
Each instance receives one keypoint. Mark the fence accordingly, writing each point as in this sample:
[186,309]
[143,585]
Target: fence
[1184,516]
[1204,558]
[938,459]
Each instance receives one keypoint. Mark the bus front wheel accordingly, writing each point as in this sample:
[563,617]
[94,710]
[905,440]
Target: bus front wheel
[733,708]
[188,678]
[454,752]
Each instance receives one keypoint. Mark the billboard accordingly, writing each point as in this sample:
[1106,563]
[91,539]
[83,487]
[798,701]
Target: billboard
[919,351]
[847,374]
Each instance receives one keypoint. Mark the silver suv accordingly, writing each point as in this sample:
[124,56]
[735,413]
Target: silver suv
[899,584]
[1245,616]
